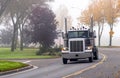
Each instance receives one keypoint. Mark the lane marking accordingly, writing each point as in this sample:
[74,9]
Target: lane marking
[88,68]
[27,61]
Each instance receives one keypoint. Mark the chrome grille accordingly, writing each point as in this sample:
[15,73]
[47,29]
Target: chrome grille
[76,46]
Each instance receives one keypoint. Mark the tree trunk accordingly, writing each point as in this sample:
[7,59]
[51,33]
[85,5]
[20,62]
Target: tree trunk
[21,39]
[21,45]
[100,31]
[111,29]
[98,34]
[13,40]
[15,29]
[16,38]
[110,42]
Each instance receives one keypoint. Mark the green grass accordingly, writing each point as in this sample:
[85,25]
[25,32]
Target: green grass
[8,65]
[5,53]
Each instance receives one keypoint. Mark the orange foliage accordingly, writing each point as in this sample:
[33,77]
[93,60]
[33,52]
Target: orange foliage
[101,10]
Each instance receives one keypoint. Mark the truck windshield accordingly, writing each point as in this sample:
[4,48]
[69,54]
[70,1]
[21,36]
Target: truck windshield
[77,34]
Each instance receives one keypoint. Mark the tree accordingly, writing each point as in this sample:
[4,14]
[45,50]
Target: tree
[99,17]
[43,25]
[3,6]
[96,10]
[61,14]
[26,35]
[85,17]
[118,8]
[6,35]
[102,11]
[18,11]
[111,16]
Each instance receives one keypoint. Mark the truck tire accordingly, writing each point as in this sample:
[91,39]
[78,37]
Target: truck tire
[96,57]
[90,59]
[64,61]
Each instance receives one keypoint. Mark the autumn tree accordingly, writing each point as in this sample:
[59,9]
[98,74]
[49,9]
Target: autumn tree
[43,25]
[85,17]
[99,17]
[96,10]
[118,8]
[118,5]
[111,16]
[102,11]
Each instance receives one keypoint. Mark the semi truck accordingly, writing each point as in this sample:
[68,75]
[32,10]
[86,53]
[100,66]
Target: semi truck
[79,44]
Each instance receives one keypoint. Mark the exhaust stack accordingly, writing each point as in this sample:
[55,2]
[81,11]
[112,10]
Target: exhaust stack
[66,34]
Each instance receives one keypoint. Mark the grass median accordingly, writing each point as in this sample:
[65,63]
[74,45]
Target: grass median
[9,65]
[5,53]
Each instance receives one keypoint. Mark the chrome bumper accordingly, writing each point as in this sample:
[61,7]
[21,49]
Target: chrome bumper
[77,55]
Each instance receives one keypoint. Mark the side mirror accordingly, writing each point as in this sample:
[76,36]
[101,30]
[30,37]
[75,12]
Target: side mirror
[94,34]
[90,34]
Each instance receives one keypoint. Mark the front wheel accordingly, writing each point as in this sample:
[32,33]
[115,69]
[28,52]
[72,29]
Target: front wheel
[95,52]
[96,56]
[64,61]
[90,59]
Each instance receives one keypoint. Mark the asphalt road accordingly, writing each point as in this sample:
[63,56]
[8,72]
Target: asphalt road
[109,69]
[53,68]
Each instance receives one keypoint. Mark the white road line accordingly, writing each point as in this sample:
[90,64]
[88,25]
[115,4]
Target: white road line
[27,61]
[86,69]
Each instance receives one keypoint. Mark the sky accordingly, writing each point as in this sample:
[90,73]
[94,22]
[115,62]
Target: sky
[76,6]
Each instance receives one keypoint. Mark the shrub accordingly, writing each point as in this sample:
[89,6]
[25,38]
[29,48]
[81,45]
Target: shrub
[49,51]
[41,51]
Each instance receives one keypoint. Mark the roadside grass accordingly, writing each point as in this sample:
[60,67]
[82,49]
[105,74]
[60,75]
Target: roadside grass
[8,65]
[5,53]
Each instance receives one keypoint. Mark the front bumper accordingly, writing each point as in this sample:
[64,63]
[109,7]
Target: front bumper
[77,55]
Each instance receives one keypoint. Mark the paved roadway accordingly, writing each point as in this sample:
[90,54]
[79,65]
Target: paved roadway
[109,69]
[53,68]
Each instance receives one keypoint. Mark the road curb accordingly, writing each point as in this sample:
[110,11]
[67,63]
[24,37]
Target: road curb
[16,70]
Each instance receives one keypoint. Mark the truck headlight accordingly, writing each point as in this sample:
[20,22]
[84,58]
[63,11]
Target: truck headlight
[64,49]
[88,48]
